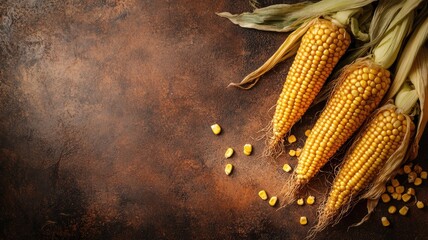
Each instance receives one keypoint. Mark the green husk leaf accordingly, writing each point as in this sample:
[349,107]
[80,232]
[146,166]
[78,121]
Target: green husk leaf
[405,62]
[287,17]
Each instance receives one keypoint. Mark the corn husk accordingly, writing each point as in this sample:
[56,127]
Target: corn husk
[405,62]
[287,17]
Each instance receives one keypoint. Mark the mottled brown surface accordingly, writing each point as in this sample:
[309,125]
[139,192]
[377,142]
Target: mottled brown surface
[104,126]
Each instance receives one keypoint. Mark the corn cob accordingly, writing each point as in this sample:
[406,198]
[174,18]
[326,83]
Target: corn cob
[359,92]
[320,50]
[379,141]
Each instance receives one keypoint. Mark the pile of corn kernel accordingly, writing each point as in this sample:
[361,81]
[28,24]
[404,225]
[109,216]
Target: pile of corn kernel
[404,194]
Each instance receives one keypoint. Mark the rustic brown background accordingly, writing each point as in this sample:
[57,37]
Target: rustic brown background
[104,129]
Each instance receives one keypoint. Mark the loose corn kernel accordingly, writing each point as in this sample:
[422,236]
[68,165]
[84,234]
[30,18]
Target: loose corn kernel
[420,204]
[307,132]
[292,139]
[303,220]
[300,202]
[228,169]
[248,148]
[399,196]
[385,221]
[392,209]
[400,171]
[407,169]
[411,191]
[390,189]
[417,169]
[385,198]
[403,211]
[298,151]
[228,153]
[310,200]
[411,177]
[292,152]
[263,195]
[286,168]
[395,182]
[272,201]
[399,189]
[424,175]
[418,181]
[406,197]
[216,129]
[395,195]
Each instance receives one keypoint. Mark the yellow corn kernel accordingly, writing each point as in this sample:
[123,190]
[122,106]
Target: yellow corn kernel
[418,181]
[228,169]
[395,195]
[400,171]
[272,201]
[385,198]
[216,129]
[407,169]
[399,189]
[411,191]
[286,168]
[307,132]
[248,148]
[385,221]
[403,211]
[292,139]
[263,195]
[300,202]
[292,152]
[406,197]
[411,177]
[303,220]
[298,151]
[390,189]
[310,200]
[228,153]
[392,209]
[420,204]
[399,196]
[417,169]
[395,182]
[424,175]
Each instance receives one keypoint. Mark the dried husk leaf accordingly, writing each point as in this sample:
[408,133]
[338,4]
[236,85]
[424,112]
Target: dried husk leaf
[288,49]
[287,17]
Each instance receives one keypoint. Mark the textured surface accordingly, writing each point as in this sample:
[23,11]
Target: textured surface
[105,115]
